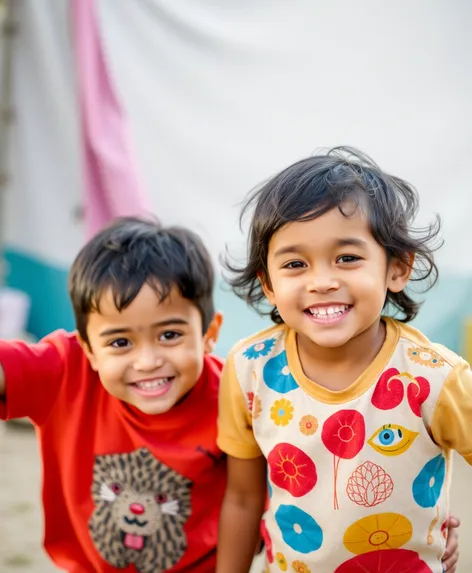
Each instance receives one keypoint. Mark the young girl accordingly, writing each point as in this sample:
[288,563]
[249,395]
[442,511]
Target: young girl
[349,415]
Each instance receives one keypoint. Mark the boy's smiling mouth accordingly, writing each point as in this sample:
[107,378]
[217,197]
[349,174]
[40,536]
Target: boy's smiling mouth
[153,387]
[330,313]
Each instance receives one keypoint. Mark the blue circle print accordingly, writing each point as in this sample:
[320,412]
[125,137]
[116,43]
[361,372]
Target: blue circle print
[428,483]
[299,530]
[277,374]
[259,349]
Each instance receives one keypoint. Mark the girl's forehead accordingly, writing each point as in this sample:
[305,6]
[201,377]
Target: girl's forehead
[335,225]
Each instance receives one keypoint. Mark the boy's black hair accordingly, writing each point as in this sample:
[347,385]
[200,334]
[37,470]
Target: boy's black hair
[314,186]
[131,252]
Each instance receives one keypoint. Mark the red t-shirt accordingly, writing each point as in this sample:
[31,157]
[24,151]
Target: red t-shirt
[122,490]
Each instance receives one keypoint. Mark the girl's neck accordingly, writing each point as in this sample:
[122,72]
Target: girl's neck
[337,368]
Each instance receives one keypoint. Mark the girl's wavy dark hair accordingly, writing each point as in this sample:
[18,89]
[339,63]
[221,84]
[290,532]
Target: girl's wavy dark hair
[314,186]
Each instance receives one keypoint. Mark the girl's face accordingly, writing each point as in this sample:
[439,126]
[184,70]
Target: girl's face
[328,277]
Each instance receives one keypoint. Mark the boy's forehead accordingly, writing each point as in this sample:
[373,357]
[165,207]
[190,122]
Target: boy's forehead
[148,304]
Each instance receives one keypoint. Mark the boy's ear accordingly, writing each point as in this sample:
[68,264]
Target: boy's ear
[213,331]
[88,352]
[266,288]
[399,273]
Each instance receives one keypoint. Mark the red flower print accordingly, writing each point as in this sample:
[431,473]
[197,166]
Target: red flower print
[417,392]
[292,470]
[267,541]
[343,435]
[385,561]
[390,390]
[250,400]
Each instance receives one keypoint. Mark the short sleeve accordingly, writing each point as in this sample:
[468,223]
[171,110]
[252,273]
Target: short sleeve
[452,416]
[235,434]
[33,374]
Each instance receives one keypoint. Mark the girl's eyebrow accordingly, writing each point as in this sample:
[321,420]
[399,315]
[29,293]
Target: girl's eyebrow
[343,242]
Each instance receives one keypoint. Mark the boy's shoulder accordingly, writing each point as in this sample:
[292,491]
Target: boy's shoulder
[422,350]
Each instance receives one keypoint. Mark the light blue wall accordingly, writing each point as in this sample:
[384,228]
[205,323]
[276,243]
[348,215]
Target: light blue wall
[441,318]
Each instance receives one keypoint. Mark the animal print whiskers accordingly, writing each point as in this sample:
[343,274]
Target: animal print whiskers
[141,506]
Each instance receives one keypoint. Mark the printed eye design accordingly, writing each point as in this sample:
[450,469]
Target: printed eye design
[116,488]
[161,498]
[392,440]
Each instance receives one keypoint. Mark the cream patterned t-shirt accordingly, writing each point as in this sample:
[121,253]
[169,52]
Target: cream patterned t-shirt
[358,480]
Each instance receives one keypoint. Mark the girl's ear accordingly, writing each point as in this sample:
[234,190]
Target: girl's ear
[266,287]
[399,273]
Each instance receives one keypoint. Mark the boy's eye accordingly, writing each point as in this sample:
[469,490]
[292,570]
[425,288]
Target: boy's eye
[294,265]
[169,335]
[348,259]
[119,343]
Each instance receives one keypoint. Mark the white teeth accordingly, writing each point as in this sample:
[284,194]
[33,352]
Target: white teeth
[328,310]
[152,385]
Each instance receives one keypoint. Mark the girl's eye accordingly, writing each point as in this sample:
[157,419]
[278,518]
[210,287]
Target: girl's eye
[348,259]
[294,265]
[120,343]
[169,335]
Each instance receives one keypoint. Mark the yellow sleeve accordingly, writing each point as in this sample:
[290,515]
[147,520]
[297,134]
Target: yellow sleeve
[452,416]
[235,434]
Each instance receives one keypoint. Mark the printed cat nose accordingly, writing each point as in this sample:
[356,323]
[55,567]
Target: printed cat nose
[137,508]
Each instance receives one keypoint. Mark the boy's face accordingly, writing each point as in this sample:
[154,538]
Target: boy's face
[150,354]
[329,277]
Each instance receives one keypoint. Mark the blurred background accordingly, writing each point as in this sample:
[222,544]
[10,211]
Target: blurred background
[112,107]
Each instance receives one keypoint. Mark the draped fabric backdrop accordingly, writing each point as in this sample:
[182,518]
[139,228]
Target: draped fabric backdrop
[188,105]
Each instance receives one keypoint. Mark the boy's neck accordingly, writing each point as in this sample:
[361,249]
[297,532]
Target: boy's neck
[338,368]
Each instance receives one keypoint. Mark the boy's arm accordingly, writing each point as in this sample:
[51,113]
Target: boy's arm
[452,416]
[243,505]
[30,376]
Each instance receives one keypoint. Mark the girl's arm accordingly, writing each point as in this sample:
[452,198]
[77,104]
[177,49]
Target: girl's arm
[241,514]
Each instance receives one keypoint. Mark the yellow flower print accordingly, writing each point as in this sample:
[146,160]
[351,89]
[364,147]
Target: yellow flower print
[425,357]
[282,412]
[256,407]
[376,532]
[300,567]
[281,562]
[308,425]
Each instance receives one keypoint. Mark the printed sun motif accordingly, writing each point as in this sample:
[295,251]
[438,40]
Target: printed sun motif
[282,412]
[425,357]
[369,485]
[291,469]
[308,425]
[300,567]
[259,349]
[281,561]
[377,532]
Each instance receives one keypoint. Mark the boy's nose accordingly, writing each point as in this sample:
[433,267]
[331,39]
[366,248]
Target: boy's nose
[148,360]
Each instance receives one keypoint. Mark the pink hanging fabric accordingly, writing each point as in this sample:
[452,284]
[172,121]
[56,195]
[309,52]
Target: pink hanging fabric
[112,185]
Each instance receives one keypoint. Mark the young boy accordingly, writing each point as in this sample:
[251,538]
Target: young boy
[349,416]
[126,407]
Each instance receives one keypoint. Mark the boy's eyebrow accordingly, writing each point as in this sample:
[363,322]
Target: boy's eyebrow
[160,324]
[344,242]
